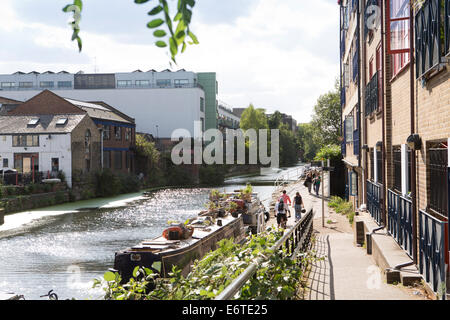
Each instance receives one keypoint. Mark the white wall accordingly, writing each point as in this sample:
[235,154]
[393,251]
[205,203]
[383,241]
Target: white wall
[58,146]
[170,109]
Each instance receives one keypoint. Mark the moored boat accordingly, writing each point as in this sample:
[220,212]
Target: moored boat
[230,215]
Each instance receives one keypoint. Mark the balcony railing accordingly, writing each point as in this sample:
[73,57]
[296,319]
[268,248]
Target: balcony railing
[429,31]
[400,220]
[371,100]
[374,201]
[432,250]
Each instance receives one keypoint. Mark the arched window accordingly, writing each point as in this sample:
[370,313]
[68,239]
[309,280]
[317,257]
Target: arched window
[87,141]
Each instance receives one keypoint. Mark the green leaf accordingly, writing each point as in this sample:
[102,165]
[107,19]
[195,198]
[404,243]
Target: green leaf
[155,11]
[159,33]
[193,37]
[109,276]
[161,44]
[136,271]
[155,23]
[141,1]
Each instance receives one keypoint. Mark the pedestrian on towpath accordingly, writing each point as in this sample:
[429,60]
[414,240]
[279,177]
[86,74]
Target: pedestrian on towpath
[317,182]
[298,203]
[287,201]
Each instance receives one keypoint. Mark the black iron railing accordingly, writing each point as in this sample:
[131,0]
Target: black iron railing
[432,250]
[296,240]
[438,158]
[371,99]
[428,32]
[400,221]
[26,178]
[374,201]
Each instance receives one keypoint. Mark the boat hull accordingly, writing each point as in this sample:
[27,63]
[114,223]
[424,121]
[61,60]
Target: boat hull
[162,261]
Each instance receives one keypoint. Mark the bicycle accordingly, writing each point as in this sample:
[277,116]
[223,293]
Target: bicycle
[50,295]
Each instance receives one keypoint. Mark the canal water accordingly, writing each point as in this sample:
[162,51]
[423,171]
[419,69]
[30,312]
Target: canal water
[63,248]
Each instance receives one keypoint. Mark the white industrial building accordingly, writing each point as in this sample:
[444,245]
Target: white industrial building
[161,102]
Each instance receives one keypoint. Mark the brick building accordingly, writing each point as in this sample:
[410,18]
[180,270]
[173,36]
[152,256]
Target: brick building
[119,135]
[395,97]
[46,135]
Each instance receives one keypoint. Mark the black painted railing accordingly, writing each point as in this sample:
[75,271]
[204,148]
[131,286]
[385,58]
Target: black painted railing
[400,221]
[295,241]
[432,250]
[371,97]
[374,201]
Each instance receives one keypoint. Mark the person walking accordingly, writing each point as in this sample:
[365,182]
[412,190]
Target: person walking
[309,181]
[317,182]
[280,210]
[298,203]
[287,201]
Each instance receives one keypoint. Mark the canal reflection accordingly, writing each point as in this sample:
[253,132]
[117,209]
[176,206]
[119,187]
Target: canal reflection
[65,247]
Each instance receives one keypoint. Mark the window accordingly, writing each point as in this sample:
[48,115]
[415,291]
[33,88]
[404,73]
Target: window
[372,165]
[164,83]
[64,84]
[118,160]
[398,20]
[8,85]
[398,38]
[124,83]
[55,164]
[107,159]
[202,104]
[5,163]
[33,121]
[142,83]
[25,141]
[127,160]
[87,142]
[379,165]
[25,85]
[203,123]
[47,84]
[128,134]
[437,174]
[181,83]
[349,129]
[106,132]
[61,121]
[118,133]
[397,162]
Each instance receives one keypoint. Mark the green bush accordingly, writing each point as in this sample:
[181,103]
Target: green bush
[342,207]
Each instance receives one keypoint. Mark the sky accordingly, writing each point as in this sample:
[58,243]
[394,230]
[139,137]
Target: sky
[276,54]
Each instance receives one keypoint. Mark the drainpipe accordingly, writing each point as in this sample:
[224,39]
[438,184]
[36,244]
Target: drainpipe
[383,148]
[358,27]
[101,148]
[364,122]
[412,112]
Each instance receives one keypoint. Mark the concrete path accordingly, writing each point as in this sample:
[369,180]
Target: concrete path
[345,271]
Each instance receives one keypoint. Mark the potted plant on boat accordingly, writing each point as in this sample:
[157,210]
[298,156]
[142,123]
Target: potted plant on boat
[246,193]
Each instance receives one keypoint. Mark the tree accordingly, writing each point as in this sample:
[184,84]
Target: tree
[148,158]
[176,38]
[306,133]
[275,120]
[327,118]
[253,118]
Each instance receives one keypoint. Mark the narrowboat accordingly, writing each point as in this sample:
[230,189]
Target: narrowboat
[231,215]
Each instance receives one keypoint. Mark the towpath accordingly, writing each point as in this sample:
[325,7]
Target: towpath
[345,271]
